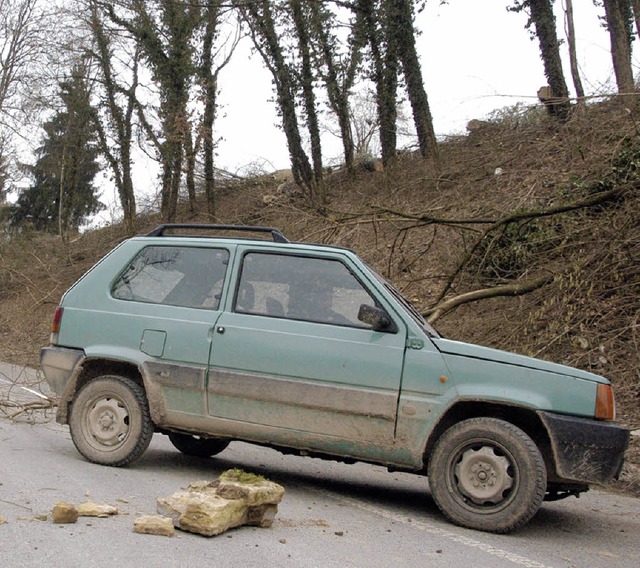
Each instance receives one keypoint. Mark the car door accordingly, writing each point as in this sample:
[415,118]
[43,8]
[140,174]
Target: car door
[290,362]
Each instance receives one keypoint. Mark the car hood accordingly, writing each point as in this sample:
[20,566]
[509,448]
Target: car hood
[461,349]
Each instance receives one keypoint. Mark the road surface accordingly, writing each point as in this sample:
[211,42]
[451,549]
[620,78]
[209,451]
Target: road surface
[332,515]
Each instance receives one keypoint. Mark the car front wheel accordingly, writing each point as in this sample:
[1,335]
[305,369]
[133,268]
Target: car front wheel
[487,474]
[110,422]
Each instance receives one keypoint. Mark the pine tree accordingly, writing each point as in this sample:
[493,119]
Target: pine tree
[62,194]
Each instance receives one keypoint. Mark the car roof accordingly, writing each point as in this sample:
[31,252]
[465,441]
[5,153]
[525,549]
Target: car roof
[161,230]
[222,233]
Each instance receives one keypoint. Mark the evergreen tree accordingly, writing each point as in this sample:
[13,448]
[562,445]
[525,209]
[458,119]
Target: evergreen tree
[62,194]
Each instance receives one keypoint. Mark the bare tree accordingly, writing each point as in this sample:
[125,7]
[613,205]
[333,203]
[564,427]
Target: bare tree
[177,40]
[541,16]
[26,54]
[338,71]
[365,125]
[402,17]
[374,23]
[114,119]
[302,23]
[164,32]
[260,18]
[388,27]
[618,22]
[208,71]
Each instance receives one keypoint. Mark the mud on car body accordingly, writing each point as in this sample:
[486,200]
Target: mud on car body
[304,348]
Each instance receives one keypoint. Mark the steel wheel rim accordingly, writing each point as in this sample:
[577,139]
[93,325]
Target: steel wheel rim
[483,476]
[107,422]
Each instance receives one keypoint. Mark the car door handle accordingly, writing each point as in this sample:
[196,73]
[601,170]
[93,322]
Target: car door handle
[220,329]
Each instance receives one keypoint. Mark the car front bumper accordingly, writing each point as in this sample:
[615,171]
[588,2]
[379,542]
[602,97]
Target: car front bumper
[586,451]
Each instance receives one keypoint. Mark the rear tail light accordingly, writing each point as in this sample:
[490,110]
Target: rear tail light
[55,325]
[605,403]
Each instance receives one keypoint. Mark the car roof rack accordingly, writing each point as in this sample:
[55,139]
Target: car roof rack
[276,234]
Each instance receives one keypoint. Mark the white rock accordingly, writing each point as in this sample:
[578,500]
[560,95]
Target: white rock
[210,508]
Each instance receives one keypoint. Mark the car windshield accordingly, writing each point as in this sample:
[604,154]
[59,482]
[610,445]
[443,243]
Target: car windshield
[407,305]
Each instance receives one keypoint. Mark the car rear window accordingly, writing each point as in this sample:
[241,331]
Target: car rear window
[176,276]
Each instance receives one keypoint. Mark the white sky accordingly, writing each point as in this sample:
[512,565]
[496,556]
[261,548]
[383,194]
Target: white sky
[475,56]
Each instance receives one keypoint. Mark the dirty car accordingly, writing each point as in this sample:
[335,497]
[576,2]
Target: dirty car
[210,334]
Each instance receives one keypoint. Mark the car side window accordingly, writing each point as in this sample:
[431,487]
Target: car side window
[300,288]
[176,276]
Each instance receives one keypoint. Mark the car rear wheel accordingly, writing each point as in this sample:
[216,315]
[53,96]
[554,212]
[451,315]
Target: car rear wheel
[196,446]
[487,474]
[110,422]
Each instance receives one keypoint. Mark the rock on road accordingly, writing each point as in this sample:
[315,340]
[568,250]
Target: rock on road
[332,515]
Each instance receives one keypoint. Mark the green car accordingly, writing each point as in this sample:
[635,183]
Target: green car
[304,348]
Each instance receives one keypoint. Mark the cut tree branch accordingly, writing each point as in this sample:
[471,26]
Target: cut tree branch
[515,289]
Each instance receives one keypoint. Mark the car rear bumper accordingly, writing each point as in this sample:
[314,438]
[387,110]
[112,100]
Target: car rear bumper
[58,364]
[586,451]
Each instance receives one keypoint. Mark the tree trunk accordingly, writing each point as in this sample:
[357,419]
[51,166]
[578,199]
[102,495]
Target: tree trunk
[635,6]
[307,77]
[571,41]
[545,23]
[618,15]
[337,93]
[174,179]
[376,28]
[209,86]
[266,40]
[61,201]
[190,175]
[403,15]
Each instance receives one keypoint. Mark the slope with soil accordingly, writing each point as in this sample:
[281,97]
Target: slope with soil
[433,230]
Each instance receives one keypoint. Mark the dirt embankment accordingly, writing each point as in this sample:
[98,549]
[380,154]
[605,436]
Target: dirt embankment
[517,202]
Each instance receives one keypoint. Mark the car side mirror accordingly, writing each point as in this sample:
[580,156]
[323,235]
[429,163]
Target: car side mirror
[376,317]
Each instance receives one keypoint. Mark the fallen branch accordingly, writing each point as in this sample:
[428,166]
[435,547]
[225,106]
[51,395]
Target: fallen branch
[526,216]
[515,289]
[590,201]
[13,407]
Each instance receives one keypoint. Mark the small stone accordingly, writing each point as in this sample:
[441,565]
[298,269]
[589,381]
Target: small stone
[154,524]
[90,509]
[41,517]
[582,342]
[283,541]
[64,513]
[2,521]
[339,533]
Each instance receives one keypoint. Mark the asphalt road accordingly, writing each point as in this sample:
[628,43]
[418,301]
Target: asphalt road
[332,515]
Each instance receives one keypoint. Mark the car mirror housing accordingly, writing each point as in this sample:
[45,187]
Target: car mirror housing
[376,317]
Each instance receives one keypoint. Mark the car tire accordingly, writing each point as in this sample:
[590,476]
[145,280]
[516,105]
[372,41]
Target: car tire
[110,422]
[487,474]
[195,446]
